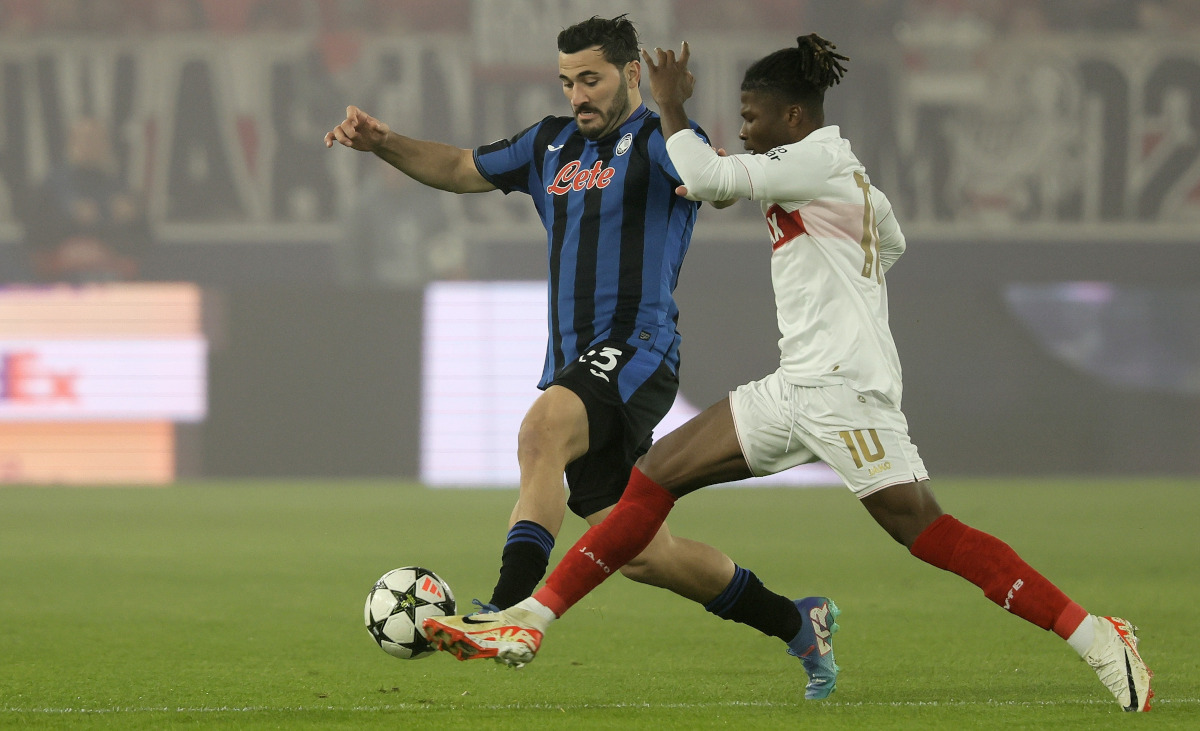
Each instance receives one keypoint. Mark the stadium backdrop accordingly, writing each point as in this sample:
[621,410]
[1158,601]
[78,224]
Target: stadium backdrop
[1047,311]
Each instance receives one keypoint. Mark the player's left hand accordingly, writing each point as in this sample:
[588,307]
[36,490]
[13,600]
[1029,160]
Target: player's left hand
[670,80]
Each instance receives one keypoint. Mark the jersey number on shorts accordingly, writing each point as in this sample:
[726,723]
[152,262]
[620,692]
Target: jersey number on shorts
[862,453]
[870,237]
[604,361]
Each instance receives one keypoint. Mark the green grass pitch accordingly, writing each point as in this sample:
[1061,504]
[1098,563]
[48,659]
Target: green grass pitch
[240,605]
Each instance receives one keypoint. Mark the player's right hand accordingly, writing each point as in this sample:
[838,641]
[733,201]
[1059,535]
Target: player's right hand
[359,131]
[670,80]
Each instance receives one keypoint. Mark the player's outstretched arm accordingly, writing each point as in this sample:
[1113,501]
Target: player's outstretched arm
[435,164]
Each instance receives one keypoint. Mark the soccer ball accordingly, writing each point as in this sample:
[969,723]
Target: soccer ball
[397,605]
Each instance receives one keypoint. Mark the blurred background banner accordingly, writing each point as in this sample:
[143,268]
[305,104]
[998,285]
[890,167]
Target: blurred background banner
[978,127]
[481,342]
[1043,157]
[93,380]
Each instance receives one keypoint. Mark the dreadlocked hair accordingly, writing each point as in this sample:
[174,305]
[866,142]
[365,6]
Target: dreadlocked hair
[800,74]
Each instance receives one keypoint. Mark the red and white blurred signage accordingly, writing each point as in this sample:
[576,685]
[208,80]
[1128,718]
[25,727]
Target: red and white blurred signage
[112,380]
[93,379]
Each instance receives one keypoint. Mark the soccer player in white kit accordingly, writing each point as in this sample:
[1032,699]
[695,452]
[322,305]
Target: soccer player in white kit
[835,397]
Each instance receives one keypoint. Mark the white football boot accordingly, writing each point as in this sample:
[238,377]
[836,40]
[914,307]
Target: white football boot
[1114,657]
[511,636]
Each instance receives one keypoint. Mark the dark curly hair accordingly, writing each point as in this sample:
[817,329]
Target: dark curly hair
[616,37]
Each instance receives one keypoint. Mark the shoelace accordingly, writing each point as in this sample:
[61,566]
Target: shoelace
[483,608]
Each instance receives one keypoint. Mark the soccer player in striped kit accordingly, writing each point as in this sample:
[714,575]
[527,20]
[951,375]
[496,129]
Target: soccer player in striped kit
[617,232]
[835,396]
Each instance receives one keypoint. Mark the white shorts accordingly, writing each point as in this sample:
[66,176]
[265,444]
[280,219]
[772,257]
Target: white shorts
[862,437]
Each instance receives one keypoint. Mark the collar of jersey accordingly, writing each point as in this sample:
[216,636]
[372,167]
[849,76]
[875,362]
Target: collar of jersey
[828,132]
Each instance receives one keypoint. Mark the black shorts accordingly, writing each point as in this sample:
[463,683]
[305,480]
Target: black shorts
[619,430]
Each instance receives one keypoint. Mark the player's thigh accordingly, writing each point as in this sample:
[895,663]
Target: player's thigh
[554,427]
[704,451]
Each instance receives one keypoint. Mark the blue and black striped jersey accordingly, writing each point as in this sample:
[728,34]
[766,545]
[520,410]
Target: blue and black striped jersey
[616,233]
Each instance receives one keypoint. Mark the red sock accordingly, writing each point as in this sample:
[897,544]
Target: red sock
[990,564]
[608,546]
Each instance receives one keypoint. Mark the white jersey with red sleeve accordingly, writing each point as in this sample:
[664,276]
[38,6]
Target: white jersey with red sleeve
[833,235]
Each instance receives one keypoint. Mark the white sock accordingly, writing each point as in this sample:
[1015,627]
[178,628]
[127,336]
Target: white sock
[537,608]
[1084,635]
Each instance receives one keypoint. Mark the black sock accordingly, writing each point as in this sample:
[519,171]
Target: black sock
[746,600]
[523,563]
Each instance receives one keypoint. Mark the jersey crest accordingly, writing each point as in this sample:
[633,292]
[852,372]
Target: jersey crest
[624,145]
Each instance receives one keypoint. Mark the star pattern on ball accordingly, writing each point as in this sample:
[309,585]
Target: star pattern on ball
[408,602]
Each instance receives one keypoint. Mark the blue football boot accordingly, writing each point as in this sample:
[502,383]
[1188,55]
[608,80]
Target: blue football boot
[814,645]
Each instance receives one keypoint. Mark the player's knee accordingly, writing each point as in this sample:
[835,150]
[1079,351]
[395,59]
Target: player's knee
[539,439]
[657,464]
[551,434]
[650,466]
[531,442]
[641,569]
[904,511]
[650,566]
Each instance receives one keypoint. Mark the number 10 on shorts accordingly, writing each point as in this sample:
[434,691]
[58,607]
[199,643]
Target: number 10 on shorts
[859,450]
